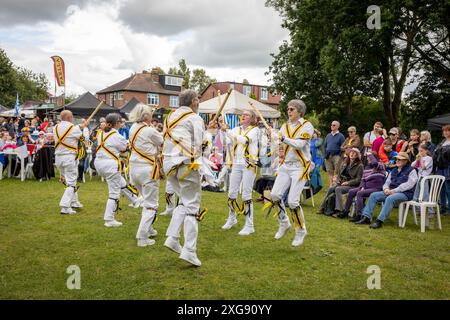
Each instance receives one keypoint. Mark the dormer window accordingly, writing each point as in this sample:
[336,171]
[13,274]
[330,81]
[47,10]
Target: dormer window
[174,81]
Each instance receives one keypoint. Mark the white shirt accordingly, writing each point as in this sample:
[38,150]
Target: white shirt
[302,140]
[190,132]
[237,136]
[116,144]
[71,139]
[148,142]
[428,161]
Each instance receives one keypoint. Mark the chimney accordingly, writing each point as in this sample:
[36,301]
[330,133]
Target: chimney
[155,74]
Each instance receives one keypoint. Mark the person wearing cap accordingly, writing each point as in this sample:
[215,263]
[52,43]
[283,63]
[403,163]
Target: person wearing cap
[397,143]
[349,177]
[399,187]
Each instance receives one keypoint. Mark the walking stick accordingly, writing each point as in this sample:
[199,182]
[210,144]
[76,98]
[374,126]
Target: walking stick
[95,111]
[222,105]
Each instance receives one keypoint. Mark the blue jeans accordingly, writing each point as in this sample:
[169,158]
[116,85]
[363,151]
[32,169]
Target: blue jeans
[445,197]
[389,202]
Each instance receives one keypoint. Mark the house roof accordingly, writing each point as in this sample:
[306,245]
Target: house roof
[85,104]
[130,105]
[140,82]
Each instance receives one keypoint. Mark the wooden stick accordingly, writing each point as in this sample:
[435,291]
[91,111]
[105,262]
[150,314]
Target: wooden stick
[222,105]
[95,111]
[260,115]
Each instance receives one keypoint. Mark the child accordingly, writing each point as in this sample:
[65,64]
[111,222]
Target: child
[424,165]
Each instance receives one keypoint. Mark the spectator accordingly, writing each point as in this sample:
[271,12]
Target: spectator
[44,125]
[396,142]
[412,146]
[216,158]
[398,187]
[316,149]
[332,147]
[21,122]
[424,166]
[387,155]
[349,177]
[11,127]
[352,141]
[124,130]
[378,142]
[370,137]
[372,181]
[441,161]
[425,137]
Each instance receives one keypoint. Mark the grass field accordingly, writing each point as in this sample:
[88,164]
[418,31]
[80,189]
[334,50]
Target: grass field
[37,244]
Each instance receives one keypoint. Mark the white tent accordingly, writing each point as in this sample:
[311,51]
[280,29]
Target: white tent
[11,113]
[237,103]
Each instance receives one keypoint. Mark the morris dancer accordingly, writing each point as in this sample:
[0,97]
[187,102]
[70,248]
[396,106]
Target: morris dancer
[294,170]
[245,158]
[66,159]
[144,165]
[184,133]
[107,163]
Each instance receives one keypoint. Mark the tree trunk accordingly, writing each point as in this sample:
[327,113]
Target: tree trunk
[387,89]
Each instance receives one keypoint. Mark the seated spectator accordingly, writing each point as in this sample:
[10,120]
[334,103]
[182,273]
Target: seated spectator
[378,142]
[425,137]
[216,158]
[397,143]
[387,155]
[399,187]
[372,180]
[352,141]
[412,146]
[441,162]
[349,177]
[424,166]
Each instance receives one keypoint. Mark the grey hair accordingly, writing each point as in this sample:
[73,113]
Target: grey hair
[253,117]
[112,119]
[426,134]
[299,105]
[187,96]
[140,113]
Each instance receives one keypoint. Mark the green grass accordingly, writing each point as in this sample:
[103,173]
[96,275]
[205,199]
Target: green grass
[37,244]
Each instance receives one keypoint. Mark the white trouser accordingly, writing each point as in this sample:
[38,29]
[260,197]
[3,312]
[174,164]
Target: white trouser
[239,173]
[289,177]
[148,188]
[116,183]
[170,200]
[189,192]
[68,167]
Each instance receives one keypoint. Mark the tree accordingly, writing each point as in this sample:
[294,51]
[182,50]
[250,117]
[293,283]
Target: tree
[185,72]
[17,80]
[200,80]
[8,81]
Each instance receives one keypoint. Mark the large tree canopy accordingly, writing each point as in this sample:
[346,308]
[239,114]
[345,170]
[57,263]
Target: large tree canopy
[333,57]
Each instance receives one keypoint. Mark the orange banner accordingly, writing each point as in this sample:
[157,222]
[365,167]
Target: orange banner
[60,72]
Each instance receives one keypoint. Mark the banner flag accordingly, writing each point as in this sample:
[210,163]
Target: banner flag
[60,72]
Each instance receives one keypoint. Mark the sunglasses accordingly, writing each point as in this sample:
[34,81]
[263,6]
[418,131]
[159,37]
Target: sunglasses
[333,125]
[291,109]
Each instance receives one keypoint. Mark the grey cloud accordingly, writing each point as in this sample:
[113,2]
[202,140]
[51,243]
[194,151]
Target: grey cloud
[225,33]
[30,12]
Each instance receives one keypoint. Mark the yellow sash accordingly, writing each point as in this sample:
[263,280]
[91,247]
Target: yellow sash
[60,139]
[151,160]
[108,151]
[300,156]
[245,146]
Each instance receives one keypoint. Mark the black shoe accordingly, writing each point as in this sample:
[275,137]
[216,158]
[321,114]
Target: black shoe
[377,224]
[364,220]
[343,214]
[329,213]
[355,218]
[321,211]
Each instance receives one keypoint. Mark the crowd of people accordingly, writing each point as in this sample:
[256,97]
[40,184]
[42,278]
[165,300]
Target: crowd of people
[384,166]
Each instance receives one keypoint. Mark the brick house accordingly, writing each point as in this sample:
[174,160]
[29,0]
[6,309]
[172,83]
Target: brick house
[261,93]
[150,88]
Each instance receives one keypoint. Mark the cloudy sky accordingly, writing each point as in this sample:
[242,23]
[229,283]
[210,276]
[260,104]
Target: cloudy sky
[103,42]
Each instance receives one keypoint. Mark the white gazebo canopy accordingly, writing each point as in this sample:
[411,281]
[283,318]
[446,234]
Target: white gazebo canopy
[237,103]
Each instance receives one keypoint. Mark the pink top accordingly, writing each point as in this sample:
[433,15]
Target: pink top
[377,144]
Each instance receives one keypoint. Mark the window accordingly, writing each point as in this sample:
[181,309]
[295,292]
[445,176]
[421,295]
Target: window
[173,101]
[174,81]
[111,99]
[152,99]
[263,94]
[247,90]
[118,95]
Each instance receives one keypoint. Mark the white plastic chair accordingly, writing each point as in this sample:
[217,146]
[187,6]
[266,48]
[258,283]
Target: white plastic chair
[435,182]
[307,187]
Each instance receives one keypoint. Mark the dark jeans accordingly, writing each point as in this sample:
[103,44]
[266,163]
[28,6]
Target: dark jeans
[360,195]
